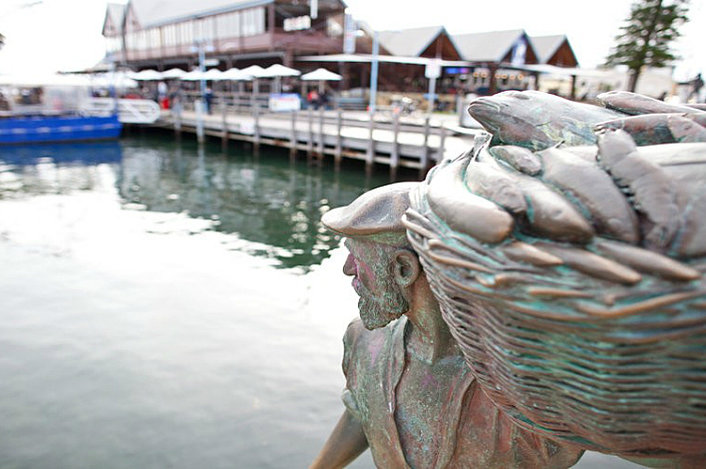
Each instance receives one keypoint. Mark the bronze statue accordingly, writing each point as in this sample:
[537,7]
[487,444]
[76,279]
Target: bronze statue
[410,396]
[572,276]
[565,254]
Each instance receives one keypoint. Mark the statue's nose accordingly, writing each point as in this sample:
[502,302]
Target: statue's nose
[349,266]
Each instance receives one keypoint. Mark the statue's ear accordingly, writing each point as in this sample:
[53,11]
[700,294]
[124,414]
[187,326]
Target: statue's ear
[407,267]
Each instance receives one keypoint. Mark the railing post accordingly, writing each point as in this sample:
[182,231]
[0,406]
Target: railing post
[442,144]
[200,137]
[339,141]
[293,137]
[224,141]
[176,110]
[370,155]
[395,156]
[425,150]
[320,149]
[310,141]
[256,136]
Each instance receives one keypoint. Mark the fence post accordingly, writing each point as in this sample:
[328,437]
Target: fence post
[395,156]
[199,121]
[310,140]
[293,137]
[224,141]
[370,155]
[320,149]
[442,144]
[177,119]
[256,136]
[425,151]
[339,140]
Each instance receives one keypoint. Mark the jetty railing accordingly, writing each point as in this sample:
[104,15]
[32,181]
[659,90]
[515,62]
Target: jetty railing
[384,138]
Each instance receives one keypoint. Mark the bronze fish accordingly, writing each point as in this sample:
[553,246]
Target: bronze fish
[463,211]
[595,190]
[654,191]
[654,129]
[519,158]
[635,104]
[538,120]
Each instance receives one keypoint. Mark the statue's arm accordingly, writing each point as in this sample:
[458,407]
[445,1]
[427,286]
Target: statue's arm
[347,442]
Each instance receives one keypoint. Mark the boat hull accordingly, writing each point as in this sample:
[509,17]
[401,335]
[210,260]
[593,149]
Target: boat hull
[40,129]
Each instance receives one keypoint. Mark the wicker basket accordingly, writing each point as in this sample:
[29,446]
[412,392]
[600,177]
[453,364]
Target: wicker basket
[609,366]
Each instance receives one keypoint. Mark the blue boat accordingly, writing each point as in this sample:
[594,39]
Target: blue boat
[42,128]
[61,108]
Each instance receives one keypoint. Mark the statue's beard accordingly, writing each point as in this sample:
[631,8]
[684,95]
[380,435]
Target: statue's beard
[377,312]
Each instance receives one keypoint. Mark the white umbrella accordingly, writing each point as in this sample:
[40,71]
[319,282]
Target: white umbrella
[255,70]
[321,74]
[213,74]
[173,73]
[278,70]
[235,75]
[147,75]
[119,80]
[194,75]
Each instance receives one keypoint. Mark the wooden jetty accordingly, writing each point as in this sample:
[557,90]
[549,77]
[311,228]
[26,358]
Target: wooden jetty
[386,139]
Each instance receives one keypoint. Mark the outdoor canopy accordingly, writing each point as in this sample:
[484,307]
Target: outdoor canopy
[173,73]
[146,75]
[278,70]
[321,74]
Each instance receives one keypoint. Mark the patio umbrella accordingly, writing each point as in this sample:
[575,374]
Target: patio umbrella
[277,71]
[119,80]
[173,73]
[256,72]
[194,75]
[234,74]
[321,75]
[147,75]
[213,74]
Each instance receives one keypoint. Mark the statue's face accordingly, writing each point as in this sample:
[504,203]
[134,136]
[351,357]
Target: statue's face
[371,266]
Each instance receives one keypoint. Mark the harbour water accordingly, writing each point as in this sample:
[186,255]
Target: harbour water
[166,305]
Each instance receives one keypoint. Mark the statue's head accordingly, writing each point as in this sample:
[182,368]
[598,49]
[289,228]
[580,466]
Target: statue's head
[381,261]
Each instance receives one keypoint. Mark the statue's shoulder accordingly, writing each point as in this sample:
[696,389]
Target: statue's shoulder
[371,348]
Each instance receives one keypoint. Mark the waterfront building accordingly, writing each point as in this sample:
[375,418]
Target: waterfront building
[237,33]
[145,34]
[554,50]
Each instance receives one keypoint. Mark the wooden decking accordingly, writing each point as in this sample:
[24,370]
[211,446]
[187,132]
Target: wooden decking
[387,139]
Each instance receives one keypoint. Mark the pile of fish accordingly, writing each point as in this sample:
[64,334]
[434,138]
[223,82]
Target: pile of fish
[567,250]
[630,172]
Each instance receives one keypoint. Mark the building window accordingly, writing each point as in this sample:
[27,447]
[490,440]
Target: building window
[253,21]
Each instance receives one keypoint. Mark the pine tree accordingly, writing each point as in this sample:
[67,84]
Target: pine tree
[647,34]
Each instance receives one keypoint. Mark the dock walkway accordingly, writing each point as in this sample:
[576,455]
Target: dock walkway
[407,141]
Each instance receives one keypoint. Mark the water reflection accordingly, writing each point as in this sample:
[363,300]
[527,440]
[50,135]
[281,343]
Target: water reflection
[266,200]
[30,170]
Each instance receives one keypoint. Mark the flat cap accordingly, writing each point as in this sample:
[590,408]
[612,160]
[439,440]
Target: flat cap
[379,210]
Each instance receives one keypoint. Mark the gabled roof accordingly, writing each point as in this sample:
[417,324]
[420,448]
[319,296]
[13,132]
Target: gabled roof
[114,16]
[409,42]
[486,47]
[546,46]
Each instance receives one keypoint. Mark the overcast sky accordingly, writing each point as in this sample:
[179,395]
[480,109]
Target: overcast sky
[65,34]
